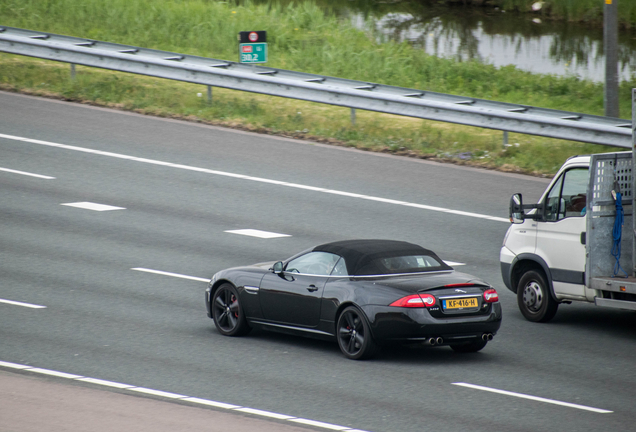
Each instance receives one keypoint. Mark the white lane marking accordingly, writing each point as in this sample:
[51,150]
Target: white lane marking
[211,403]
[105,383]
[54,373]
[452,263]
[27,174]
[319,424]
[14,365]
[177,275]
[17,303]
[157,392]
[257,179]
[257,233]
[265,413]
[534,398]
[170,395]
[93,206]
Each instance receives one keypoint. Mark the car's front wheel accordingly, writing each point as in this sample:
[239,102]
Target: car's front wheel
[227,312]
[354,335]
[534,298]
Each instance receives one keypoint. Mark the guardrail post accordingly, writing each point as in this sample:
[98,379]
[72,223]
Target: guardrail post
[353,116]
[72,71]
[610,44]
[505,139]
[209,95]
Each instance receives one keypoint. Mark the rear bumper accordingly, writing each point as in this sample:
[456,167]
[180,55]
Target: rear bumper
[413,324]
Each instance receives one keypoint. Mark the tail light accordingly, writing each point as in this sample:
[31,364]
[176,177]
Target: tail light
[491,296]
[415,301]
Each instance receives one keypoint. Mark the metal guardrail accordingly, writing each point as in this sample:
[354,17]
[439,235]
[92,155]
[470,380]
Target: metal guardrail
[316,88]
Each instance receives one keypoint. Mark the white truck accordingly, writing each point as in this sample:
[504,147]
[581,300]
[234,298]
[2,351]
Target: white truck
[577,243]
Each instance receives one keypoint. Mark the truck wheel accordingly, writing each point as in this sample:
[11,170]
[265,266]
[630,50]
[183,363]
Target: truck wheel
[534,299]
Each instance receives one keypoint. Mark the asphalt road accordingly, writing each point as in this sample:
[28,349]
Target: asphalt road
[179,187]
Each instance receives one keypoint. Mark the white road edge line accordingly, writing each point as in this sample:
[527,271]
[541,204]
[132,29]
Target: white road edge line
[17,303]
[27,174]
[257,179]
[177,275]
[173,396]
[534,398]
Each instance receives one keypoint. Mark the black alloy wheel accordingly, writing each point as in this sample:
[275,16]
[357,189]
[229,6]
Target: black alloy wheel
[534,298]
[354,335]
[228,315]
[476,345]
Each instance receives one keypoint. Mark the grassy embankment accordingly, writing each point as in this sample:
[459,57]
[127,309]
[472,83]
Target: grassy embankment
[303,38]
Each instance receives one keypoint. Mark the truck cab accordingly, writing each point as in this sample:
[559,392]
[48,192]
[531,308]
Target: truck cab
[561,249]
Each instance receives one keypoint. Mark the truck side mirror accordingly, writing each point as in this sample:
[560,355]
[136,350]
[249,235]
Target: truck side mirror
[516,212]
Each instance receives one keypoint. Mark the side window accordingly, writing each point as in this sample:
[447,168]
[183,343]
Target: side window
[313,263]
[568,196]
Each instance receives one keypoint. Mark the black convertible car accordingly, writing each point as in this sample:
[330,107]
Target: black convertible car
[363,293]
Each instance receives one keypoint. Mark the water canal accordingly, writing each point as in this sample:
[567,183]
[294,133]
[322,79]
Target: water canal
[491,36]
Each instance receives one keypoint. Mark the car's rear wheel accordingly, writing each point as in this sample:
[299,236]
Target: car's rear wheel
[471,347]
[534,298]
[354,335]
[227,312]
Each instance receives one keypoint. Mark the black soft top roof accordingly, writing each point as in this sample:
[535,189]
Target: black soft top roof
[361,253]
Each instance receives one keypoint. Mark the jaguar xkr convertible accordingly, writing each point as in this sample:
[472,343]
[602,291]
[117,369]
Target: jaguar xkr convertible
[362,293]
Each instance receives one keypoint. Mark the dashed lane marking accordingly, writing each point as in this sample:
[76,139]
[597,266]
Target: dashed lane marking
[177,275]
[256,179]
[27,174]
[534,398]
[175,396]
[17,303]
[93,206]
[257,233]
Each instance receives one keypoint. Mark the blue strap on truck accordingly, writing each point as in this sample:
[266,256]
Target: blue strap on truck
[617,232]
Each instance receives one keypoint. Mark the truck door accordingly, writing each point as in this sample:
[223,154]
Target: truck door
[560,233]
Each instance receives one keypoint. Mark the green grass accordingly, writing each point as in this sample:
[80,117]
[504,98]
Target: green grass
[301,37]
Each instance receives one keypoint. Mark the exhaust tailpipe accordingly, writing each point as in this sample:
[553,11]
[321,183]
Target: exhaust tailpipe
[439,341]
[487,337]
[431,341]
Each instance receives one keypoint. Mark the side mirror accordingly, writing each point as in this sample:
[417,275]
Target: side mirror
[516,212]
[277,268]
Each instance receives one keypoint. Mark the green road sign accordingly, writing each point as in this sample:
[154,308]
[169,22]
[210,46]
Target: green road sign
[253,52]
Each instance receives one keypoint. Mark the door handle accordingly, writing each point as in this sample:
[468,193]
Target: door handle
[312,288]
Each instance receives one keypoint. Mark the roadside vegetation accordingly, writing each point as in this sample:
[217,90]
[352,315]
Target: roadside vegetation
[301,37]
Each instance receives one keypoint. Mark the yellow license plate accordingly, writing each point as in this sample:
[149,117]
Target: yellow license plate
[460,303]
